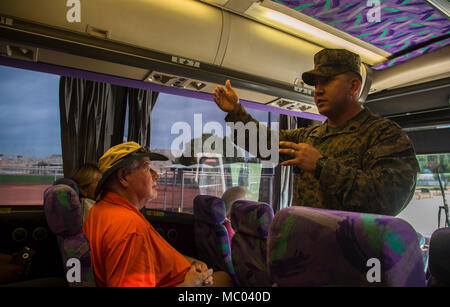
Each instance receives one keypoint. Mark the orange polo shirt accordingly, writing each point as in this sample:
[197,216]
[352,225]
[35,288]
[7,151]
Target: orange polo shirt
[127,251]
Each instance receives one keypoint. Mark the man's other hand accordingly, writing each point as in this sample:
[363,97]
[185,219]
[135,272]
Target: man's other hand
[198,275]
[304,156]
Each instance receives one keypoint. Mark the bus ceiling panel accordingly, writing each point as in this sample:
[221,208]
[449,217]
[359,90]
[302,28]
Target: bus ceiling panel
[257,49]
[415,98]
[426,67]
[390,26]
[188,28]
[264,51]
[279,15]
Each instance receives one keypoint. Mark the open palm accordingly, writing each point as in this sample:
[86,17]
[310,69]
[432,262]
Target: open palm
[226,98]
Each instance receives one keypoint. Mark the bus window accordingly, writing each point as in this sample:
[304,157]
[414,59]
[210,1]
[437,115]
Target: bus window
[30,140]
[432,190]
[183,135]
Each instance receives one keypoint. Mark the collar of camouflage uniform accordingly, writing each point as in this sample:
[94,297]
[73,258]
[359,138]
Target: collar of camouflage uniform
[349,127]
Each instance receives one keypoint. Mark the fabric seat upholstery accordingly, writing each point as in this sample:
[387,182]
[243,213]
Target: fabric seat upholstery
[211,236]
[63,213]
[251,221]
[439,257]
[317,247]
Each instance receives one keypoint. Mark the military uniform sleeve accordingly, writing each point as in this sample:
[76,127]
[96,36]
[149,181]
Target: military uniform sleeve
[386,181]
[241,115]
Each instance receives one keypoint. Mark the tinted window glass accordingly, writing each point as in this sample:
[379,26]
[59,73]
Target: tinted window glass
[30,146]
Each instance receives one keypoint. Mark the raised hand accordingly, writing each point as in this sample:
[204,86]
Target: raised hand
[226,98]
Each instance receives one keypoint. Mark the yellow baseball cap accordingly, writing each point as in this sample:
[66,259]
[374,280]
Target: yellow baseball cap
[120,156]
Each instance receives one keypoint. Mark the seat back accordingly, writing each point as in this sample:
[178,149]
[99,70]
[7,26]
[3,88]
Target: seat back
[439,257]
[211,236]
[251,221]
[68,182]
[63,213]
[316,247]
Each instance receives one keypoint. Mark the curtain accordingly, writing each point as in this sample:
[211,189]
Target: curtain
[140,106]
[92,116]
[284,178]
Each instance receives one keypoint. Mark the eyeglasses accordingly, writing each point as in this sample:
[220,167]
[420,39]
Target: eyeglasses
[137,151]
[131,154]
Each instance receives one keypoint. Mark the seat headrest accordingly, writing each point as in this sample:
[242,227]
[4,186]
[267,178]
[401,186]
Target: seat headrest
[251,217]
[62,210]
[210,209]
[68,182]
[439,257]
[304,241]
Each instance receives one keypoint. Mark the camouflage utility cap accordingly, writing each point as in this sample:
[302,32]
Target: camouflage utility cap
[332,62]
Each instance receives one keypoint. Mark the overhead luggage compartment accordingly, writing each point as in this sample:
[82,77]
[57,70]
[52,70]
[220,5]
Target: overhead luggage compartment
[187,40]
[264,51]
[187,28]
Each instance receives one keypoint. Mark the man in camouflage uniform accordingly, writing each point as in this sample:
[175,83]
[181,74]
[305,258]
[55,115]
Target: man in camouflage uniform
[355,160]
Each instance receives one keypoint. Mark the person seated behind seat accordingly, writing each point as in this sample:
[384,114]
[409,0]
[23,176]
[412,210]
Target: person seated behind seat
[229,197]
[87,178]
[126,250]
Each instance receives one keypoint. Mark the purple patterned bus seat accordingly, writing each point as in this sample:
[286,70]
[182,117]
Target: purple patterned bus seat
[251,221]
[211,236]
[68,182]
[317,247]
[63,213]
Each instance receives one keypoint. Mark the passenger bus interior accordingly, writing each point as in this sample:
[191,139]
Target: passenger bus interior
[77,77]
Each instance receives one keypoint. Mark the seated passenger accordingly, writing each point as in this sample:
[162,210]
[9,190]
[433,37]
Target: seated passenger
[87,178]
[125,248]
[229,197]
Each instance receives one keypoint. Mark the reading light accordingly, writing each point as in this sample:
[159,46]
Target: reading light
[313,33]
[441,5]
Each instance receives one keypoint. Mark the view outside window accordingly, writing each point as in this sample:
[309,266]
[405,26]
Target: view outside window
[179,124]
[30,152]
[30,141]
[433,187]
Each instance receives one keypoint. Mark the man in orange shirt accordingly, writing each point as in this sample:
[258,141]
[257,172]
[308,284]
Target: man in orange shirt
[126,249]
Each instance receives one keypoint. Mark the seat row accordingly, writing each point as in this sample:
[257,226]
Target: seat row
[298,246]
[302,246]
